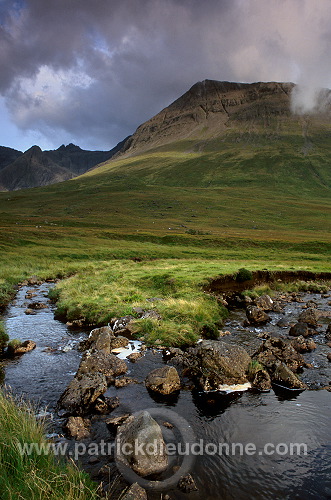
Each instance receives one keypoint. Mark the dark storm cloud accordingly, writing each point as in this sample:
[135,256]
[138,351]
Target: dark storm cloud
[93,70]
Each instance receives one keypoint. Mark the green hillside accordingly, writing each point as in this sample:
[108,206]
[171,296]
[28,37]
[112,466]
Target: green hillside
[254,196]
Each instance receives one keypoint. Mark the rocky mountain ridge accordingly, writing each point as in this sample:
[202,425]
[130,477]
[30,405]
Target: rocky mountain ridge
[35,167]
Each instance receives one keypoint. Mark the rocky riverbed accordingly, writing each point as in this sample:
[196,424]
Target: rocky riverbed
[259,380]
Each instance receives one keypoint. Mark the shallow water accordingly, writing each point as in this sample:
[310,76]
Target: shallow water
[247,418]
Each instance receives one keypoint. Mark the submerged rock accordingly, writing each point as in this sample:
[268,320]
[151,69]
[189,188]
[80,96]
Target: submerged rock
[124,381]
[134,356]
[38,305]
[114,422]
[105,405]
[140,445]
[163,380]
[29,312]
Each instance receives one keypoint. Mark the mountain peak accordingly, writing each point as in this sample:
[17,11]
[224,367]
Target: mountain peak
[69,148]
[34,150]
[208,109]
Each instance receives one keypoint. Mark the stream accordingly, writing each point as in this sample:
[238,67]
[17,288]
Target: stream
[275,419]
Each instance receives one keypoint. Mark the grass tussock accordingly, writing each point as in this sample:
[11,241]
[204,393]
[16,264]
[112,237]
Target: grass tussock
[171,289]
[34,476]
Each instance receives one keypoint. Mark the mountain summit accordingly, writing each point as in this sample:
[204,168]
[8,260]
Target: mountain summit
[211,107]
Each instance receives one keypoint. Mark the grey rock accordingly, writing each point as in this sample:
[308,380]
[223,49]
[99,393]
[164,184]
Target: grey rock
[145,448]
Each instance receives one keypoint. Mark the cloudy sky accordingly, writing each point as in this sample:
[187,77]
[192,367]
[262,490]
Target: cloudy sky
[91,71]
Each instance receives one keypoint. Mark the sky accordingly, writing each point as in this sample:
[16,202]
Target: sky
[91,71]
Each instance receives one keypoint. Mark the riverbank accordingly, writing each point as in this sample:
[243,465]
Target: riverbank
[45,372]
[26,475]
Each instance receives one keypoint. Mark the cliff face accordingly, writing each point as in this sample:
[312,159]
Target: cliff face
[39,168]
[7,156]
[208,109]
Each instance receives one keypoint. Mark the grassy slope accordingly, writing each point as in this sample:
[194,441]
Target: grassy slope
[35,475]
[201,208]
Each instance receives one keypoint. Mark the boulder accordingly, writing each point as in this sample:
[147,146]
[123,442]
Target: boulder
[78,427]
[119,341]
[309,316]
[256,316]
[82,392]
[104,405]
[328,332]
[285,377]
[301,344]
[262,381]
[163,380]
[265,303]
[187,484]
[215,363]
[140,445]
[276,349]
[135,492]
[21,348]
[329,356]
[134,356]
[98,362]
[299,329]
[98,340]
